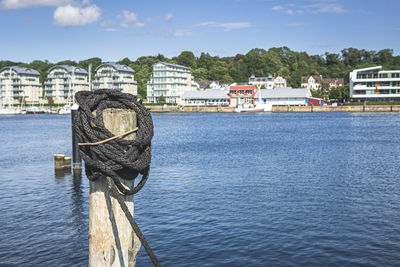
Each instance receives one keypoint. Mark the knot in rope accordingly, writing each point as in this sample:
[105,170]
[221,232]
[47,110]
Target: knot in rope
[108,155]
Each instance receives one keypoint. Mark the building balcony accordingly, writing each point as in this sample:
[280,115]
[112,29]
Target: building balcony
[376,79]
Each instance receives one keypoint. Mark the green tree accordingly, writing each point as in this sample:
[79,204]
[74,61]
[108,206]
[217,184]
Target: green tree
[161,99]
[186,58]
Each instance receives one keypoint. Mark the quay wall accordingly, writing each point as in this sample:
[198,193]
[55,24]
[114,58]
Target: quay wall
[160,108]
[368,108]
[360,108]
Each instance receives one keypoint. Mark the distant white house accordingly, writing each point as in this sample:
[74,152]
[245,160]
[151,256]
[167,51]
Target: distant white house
[267,82]
[64,81]
[311,82]
[208,84]
[375,84]
[115,76]
[207,97]
[314,82]
[19,84]
[170,81]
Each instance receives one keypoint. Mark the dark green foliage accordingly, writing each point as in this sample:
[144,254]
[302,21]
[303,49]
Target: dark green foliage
[260,62]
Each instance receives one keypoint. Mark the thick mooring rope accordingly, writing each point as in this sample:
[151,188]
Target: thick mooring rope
[118,158]
[106,155]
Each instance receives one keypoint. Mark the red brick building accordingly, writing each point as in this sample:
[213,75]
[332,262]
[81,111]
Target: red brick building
[241,94]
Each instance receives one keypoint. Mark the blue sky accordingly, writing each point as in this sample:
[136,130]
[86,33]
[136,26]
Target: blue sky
[79,29]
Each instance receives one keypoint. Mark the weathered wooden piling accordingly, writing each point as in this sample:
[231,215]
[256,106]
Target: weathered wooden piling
[110,233]
[59,161]
[67,163]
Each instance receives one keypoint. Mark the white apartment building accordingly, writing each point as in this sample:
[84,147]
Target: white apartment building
[115,76]
[375,84]
[267,82]
[19,84]
[64,81]
[171,81]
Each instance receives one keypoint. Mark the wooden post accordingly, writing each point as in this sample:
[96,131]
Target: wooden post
[67,163]
[110,234]
[58,161]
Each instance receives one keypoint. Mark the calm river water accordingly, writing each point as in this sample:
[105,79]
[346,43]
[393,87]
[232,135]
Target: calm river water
[225,190]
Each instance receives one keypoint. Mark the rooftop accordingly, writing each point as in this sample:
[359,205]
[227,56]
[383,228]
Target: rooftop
[69,69]
[118,67]
[173,65]
[284,92]
[21,70]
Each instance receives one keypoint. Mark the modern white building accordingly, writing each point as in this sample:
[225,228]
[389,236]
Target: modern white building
[207,97]
[63,81]
[170,81]
[115,76]
[375,84]
[267,82]
[285,96]
[19,84]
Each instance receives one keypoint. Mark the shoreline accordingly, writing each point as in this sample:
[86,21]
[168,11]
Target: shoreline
[278,109]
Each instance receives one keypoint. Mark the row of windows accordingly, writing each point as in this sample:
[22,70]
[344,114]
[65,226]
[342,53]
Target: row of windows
[374,84]
[376,92]
[376,75]
[168,73]
[241,92]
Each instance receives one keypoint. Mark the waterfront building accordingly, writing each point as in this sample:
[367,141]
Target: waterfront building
[207,97]
[63,81]
[314,82]
[115,76]
[284,96]
[375,84]
[208,84]
[241,94]
[19,84]
[169,81]
[267,82]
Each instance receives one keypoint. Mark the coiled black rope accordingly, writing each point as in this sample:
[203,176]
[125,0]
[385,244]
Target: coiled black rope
[117,158]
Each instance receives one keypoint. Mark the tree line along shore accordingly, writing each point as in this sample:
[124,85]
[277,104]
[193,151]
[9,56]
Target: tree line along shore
[259,62]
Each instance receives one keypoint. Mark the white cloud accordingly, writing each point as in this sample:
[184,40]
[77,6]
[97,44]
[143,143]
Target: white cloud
[20,4]
[179,33]
[111,30]
[168,17]
[322,6]
[278,8]
[105,23]
[130,20]
[293,24]
[289,12]
[76,16]
[227,26]
[127,16]
[207,23]
[235,25]
[316,7]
